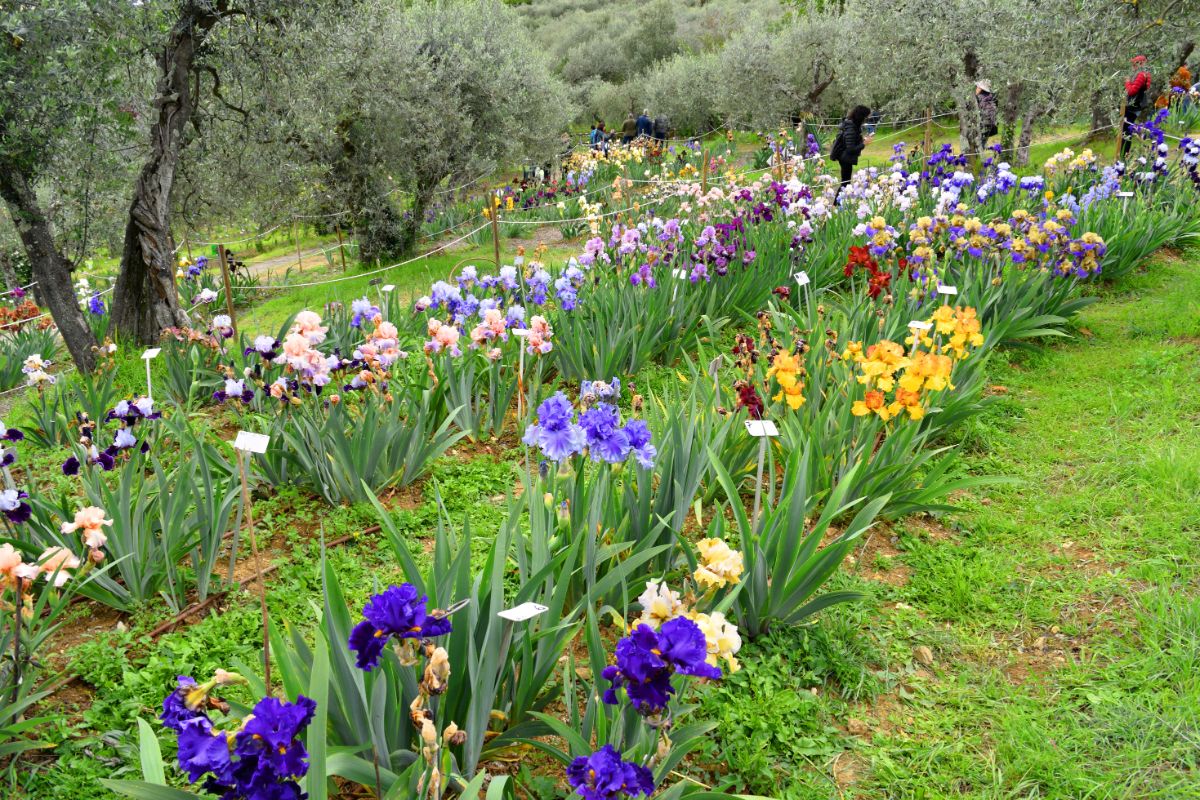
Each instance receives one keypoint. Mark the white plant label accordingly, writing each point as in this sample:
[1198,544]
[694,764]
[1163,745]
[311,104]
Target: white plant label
[947,289]
[518,261]
[680,273]
[388,287]
[249,442]
[151,353]
[521,333]
[1125,194]
[920,325]
[522,612]
[761,427]
[801,278]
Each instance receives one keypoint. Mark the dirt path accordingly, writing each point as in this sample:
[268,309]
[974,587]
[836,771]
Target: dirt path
[277,266]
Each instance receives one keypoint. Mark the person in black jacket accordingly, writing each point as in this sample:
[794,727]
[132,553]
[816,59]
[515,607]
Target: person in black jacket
[849,144]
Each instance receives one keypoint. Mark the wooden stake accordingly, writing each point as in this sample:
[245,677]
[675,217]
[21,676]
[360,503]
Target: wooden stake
[341,249]
[703,169]
[1121,130]
[262,589]
[228,288]
[296,239]
[496,234]
[928,131]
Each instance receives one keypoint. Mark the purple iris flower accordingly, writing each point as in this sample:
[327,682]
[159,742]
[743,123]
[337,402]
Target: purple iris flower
[272,734]
[124,439]
[364,311]
[606,440]
[638,433]
[267,756]
[605,776]
[514,316]
[397,611]
[175,711]
[234,390]
[13,505]
[646,660]
[508,278]
[558,436]
[539,284]
[204,750]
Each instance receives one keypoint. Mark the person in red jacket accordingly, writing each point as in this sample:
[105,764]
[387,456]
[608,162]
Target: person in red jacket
[1137,95]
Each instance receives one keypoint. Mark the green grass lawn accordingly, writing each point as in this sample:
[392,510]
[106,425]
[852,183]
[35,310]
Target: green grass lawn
[945,131]
[1043,643]
[411,281]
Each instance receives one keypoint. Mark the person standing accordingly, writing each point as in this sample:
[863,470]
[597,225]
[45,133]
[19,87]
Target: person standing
[596,138]
[850,142]
[662,127]
[644,126]
[1137,95]
[628,129]
[987,112]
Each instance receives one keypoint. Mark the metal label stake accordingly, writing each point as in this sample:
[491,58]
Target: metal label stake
[762,429]
[148,356]
[247,442]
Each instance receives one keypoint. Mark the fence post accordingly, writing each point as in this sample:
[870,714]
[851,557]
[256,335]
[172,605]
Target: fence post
[1120,131]
[928,131]
[296,240]
[341,248]
[703,168]
[496,234]
[228,288]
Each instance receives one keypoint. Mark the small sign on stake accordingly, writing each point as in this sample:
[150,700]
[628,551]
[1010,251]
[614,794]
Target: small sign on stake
[388,288]
[518,260]
[801,278]
[948,290]
[523,612]
[249,442]
[1125,194]
[761,427]
[681,274]
[920,325]
[146,356]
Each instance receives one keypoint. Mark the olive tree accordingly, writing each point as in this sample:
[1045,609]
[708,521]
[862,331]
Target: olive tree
[425,92]
[59,99]
[773,70]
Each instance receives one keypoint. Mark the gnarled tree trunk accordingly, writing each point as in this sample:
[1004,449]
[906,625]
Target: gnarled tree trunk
[968,106]
[1009,115]
[1031,115]
[51,269]
[145,299]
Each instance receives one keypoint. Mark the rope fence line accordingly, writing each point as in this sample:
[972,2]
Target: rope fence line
[340,278]
[1065,138]
[47,313]
[919,120]
[262,235]
[19,288]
